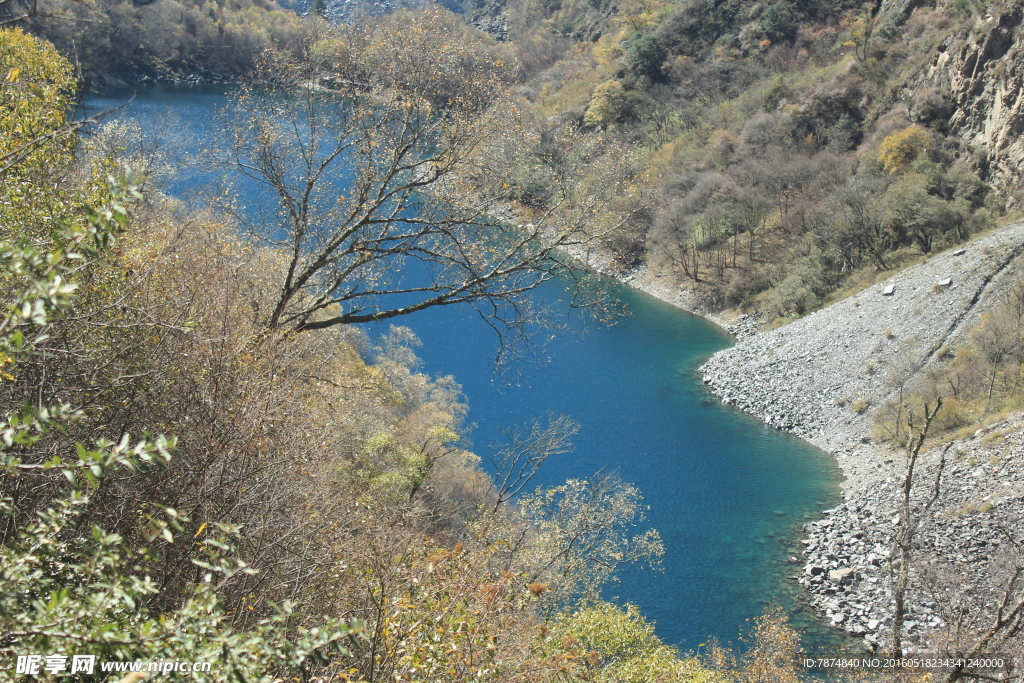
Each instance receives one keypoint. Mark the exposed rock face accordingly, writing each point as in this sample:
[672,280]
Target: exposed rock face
[352,11]
[982,70]
[496,26]
[822,376]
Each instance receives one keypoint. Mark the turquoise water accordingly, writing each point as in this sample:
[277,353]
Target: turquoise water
[726,493]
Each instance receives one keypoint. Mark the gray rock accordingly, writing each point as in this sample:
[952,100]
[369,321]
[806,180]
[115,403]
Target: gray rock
[845,575]
[821,377]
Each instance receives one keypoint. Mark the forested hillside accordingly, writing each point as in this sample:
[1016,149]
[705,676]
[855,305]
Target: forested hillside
[797,152]
[202,459]
[187,478]
[793,148]
[113,42]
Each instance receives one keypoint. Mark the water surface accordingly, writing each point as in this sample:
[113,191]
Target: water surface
[726,492]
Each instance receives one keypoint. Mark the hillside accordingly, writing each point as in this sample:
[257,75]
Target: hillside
[765,214]
[754,162]
[791,151]
[825,375]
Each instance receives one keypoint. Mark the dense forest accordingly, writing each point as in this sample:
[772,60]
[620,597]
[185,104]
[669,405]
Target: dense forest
[203,460]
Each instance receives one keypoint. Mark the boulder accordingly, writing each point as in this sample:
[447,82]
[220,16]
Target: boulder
[844,575]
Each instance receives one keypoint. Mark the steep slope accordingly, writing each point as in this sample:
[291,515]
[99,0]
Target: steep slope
[981,71]
[819,376]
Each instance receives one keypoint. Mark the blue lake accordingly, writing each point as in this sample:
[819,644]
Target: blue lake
[726,492]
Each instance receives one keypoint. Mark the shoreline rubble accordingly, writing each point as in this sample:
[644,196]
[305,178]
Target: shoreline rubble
[823,377]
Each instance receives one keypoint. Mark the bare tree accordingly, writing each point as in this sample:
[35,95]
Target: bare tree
[906,533]
[387,189]
[985,630]
[583,532]
[527,447]
[999,632]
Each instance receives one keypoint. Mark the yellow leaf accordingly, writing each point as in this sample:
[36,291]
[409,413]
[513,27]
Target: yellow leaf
[201,527]
[12,75]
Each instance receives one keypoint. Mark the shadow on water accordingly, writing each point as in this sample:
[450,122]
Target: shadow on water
[727,493]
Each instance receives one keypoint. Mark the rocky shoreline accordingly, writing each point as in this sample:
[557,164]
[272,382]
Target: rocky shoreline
[823,377]
[192,78]
[961,544]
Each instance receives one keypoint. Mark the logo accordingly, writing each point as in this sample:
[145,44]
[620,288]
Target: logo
[55,664]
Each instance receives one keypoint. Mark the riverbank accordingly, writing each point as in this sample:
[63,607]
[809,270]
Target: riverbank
[98,83]
[664,288]
[823,377]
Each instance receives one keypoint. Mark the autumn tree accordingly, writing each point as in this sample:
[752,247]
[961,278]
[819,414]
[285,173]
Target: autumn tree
[606,105]
[769,656]
[388,190]
[70,585]
[861,26]
[583,536]
[609,644]
[903,147]
[526,447]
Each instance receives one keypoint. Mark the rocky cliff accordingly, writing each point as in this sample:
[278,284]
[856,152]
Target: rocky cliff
[978,74]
